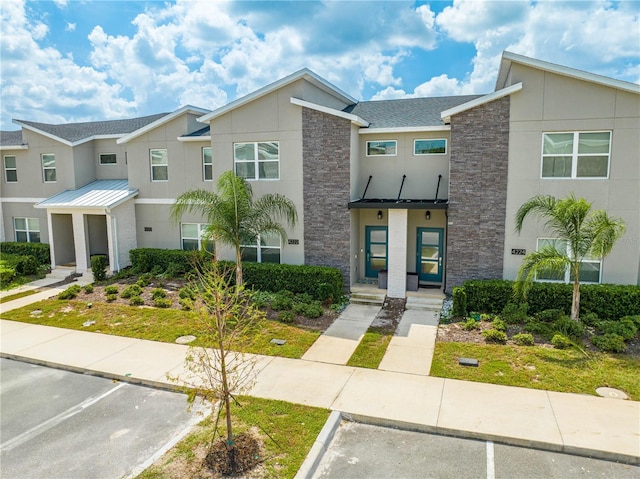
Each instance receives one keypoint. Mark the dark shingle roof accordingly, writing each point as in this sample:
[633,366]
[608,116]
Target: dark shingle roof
[11,138]
[73,132]
[206,131]
[407,112]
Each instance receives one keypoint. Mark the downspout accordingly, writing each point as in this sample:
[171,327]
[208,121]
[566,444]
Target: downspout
[115,239]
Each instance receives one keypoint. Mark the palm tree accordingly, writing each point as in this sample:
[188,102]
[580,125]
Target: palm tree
[580,233]
[234,217]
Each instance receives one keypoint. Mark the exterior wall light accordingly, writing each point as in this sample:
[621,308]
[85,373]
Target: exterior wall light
[379,214]
[427,215]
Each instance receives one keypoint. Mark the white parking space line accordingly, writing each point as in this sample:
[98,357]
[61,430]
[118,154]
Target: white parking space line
[49,423]
[491,467]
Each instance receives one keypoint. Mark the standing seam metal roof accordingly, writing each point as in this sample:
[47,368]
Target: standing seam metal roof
[98,194]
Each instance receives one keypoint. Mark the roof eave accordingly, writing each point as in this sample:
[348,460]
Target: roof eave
[194,138]
[355,119]
[14,147]
[447,114]
[161,121]
[42,132]
[404,129]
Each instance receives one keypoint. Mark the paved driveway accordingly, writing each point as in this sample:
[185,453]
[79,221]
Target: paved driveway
[361,451]
[58,424]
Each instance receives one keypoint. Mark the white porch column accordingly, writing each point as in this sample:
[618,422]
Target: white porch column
[80,240]
[397,253]
[52,250]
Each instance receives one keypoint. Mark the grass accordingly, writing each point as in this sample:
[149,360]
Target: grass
[371,349]
[20,280]
[293,429]
[11,297]
[538,368]
[154,324]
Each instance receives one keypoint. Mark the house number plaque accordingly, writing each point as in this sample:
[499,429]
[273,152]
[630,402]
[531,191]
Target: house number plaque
[293,241]
[518,251]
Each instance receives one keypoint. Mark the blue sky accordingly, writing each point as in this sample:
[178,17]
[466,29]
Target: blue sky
[69,61]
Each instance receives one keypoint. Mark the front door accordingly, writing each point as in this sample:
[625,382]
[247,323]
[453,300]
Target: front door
[376,245]
[429,254]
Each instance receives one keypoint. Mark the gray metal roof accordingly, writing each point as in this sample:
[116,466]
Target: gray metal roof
[99,194]
[206,131]
[73,132]
[11,138]
[407,112]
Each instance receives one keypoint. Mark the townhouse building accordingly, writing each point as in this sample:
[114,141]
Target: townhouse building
[419,190]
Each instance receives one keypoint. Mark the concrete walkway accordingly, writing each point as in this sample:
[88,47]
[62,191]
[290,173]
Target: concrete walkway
[580,424]
[47,291]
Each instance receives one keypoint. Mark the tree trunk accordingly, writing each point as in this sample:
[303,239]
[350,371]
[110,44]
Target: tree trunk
[238,268]
[575,302]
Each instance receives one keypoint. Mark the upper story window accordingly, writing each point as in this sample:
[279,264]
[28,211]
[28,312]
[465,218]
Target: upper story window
[266,250]
[589,267]
[108,159]
[49,167]
[382,148]
[207,164]
[580,154]
[257,161]
[159,164]
[27,229]
[10,169]
[192,236]
[430,147]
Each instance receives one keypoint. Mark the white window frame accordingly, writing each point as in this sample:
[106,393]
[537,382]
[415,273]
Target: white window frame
[575,156]
[7,169]
[259,247]
[27,229]
[369,143]
[107,154]
[415,141]
[567,273]
[162,165]
[256,160]
[201,230]
[205,164]
[48,168]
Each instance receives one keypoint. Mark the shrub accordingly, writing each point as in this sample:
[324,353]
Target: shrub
[538,327]
[186,303]
[99,265]
[610,342]
[326,291]
[175,269]
[488,296]
[459,302]
[157,261]
[286,316]
[624,328]
[112,297]
[560,341]
[162,302]
[303,298]
[515,313]
[500,325]
[71,292]
[111,289]
[523,339]
[131,291]
[7,274]
[470,325]
[136,301]
[262,298]
[494,336]
[158,293]
[38,250]
[549,315]
[312,310]
[21,264]
[187,292]
[590,319]
[281,302]
[568,327]
[635,319]
[144,280]
[88,288]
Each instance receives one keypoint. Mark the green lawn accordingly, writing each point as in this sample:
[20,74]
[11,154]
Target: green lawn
[538,368]
[371,349]
[155,324]
[11,297]
[292,429]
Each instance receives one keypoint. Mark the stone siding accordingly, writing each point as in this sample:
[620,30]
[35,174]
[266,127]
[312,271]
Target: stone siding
[326,171]
[477,193]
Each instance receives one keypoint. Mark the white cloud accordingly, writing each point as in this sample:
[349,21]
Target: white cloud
[71,27]
[61,3]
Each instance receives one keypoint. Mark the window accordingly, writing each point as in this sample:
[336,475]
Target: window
[159,165]
[207,164]
[10,169]
[49,168]
[266,250]
[27,230]
[194,237]
[589,267]
[257,161]
[576,154]
[430,147]
[382,148]
[108,159]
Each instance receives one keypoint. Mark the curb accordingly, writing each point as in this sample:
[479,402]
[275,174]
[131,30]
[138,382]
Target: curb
[310,464]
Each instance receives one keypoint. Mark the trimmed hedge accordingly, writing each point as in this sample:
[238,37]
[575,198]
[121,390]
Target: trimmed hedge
[146,260]
[38,250]
[608,301]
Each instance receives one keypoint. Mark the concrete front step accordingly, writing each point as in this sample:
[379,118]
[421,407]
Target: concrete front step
[424,304]
[373,299]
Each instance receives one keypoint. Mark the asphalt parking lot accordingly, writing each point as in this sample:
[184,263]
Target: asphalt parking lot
[59,424]
[361,451]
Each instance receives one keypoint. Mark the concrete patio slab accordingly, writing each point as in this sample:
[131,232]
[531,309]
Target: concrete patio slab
[525,416]
[415,316]
[332,350]
[392,398]
[407,359]
[599,423]
[360,312]
[302,382]
[15,340]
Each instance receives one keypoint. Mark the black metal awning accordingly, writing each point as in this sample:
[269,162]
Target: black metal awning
[378,203]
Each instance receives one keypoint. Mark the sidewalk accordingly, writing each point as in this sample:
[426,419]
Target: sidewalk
[572,423]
